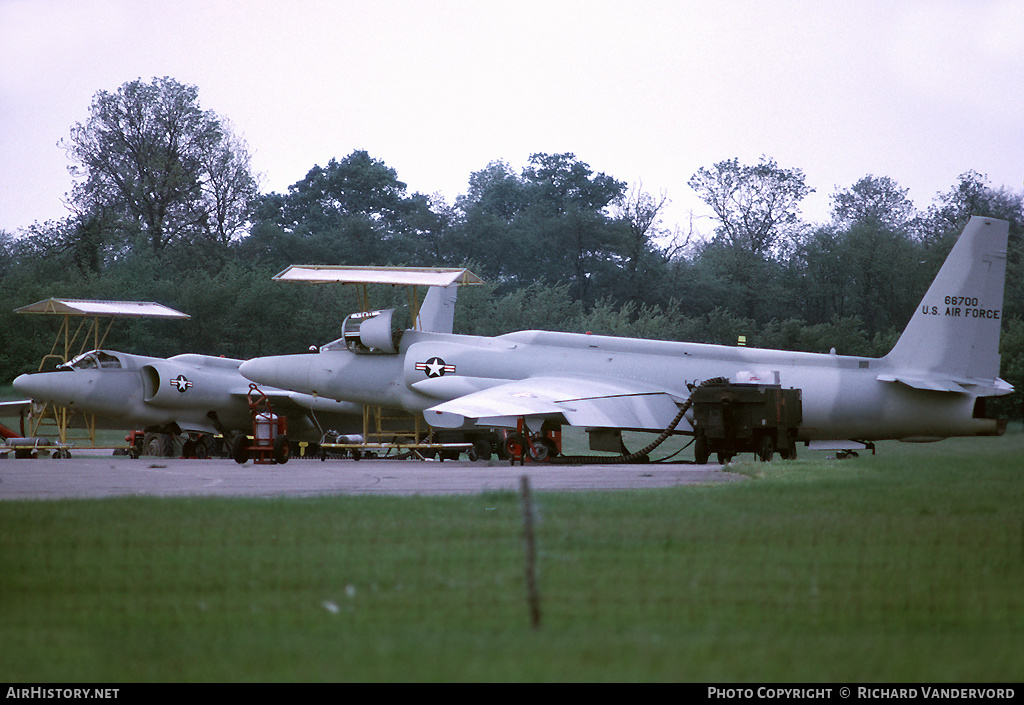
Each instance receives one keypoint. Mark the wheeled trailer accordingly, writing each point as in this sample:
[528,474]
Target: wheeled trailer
[738,418]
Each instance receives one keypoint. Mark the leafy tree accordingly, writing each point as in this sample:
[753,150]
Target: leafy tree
[353,211]
[485,227]
[751,287]
[844,335]
[819,277]
[538,306]
[876,262]
[8,247]
[153,163]
[356,186]
[874,201]
[629,320]
[643,258]
[756,205]
[495,190]
[549,224]
[972,195]
[561,182]
[757,210]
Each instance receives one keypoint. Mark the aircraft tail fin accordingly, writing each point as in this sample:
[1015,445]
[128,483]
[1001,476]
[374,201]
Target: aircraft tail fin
[437,312]
[955,330]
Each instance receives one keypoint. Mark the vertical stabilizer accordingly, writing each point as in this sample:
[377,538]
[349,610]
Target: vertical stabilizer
[955,330]
[437,312]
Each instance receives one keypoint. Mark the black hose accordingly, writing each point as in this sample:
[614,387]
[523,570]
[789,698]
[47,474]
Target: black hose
[639,455]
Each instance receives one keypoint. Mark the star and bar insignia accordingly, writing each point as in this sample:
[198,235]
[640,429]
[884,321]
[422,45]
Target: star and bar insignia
[435,367]
[182,383]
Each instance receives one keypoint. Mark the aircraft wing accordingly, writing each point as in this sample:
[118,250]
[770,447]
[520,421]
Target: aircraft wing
[14,407]
[578,401]
[926,383]
[937,383]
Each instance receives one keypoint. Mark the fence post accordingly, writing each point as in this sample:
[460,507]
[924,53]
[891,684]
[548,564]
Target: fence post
[532,595]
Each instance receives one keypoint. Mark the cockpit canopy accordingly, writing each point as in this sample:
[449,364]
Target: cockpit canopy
[93,360]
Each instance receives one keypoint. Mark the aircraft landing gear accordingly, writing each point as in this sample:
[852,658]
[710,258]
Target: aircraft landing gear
[538,448]
[160,445]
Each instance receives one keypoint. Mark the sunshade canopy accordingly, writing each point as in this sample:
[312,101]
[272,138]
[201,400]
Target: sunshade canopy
[102,309]
[399,276]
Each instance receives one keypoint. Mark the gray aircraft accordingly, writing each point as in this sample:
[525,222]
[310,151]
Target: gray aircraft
[198,396]
[933,384]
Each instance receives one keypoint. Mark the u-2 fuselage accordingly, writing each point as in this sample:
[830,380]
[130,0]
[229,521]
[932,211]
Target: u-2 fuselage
[842,395]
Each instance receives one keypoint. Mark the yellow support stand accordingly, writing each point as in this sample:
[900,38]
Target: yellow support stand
[93,315]
[416,436]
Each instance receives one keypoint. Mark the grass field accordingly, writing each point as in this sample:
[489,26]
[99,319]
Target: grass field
[906,566]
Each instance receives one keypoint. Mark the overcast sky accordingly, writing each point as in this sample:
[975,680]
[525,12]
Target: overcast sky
[916,90]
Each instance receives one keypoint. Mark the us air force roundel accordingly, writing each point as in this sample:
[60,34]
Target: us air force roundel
[434,367]
[182,383]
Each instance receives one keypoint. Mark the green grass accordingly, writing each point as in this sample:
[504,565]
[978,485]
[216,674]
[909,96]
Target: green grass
[906,566]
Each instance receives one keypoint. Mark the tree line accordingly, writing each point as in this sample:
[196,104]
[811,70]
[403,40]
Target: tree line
[165,207]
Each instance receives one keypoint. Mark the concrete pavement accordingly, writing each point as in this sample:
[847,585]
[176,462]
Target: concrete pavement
[159,477]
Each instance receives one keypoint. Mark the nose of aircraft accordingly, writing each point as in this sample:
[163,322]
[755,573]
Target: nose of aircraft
[271,372]
[38,386]
[19,384]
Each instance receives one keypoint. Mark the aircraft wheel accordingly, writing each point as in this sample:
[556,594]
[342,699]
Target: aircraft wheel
[765,449]
[203,447]
[483,450]
[160,445]
[724,458]
[538,450]
[553,447]
[282,450]
[514,445]
[240,448]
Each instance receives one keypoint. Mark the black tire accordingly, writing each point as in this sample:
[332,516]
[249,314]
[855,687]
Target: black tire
[700,449]
[765,449]
[203,447]
[282,449]
[240,448]
[160,445]
[481,450]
